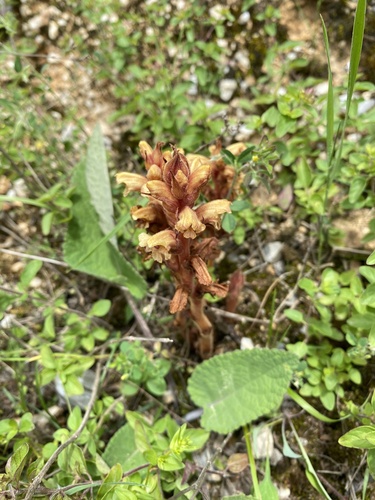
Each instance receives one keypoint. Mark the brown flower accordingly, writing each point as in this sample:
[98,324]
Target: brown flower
[211,212]
[133,182]
[188,223]
[201,271]
[159,244]
[179,301]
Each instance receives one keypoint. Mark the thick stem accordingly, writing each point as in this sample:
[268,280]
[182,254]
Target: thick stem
[206,331]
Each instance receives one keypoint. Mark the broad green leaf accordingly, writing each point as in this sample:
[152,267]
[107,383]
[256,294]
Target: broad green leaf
[97,181]
[362,437]
[240,386]
[121,449]
[84,232]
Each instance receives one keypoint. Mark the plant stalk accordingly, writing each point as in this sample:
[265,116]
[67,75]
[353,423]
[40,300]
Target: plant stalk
[253,469]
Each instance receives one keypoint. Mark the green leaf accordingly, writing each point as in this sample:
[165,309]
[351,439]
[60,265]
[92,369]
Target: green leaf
[330,100]
[229,223]
[371,259]
[310,409]
[18,64]
[228,157]
[46,223]
[238,205]
[368,297]
[304,175]
[240,386]
[368,273]
[357,186]
[16,463]
[267,488]
[105,262]
[362,437]
[100,308]
[121,449]
[294,315]
[97,181]
[29,273]
[371,461]
[109,484]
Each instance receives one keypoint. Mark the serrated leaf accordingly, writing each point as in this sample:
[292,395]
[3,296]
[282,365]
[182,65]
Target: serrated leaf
[240,386]
[105,262]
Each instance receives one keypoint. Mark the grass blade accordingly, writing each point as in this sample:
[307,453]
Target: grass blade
[330,102]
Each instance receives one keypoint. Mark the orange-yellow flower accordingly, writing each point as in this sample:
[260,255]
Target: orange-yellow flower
[159,244]
[198,178]
[148,214]
[188,223]
[211,212]
[133,182]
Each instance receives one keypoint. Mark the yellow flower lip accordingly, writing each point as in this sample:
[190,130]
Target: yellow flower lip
[159,244]
[188,223]
[211,212]
[133,182]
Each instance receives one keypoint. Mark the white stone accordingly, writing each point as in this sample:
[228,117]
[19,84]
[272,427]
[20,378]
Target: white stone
[244,18]
[246,344]
[272,251]
[365,106]
[53,30]
[263,442]
[227,87]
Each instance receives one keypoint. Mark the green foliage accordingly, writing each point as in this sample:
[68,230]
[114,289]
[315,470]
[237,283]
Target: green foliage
[238,387]
[338,297]
[92,220]
[157,446]
[140,368]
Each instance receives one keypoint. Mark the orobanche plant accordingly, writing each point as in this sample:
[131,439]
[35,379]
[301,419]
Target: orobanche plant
[180,231]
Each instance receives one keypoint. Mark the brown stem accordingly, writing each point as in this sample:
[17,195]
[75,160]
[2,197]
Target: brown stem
[206,331]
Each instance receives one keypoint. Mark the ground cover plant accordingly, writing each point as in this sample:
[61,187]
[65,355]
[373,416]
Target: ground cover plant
[209,331]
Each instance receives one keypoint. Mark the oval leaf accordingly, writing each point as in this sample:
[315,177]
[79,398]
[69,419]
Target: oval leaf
[235,388]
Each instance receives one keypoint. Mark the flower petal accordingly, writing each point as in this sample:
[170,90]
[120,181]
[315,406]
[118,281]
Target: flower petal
[179,301]
[211,212]
[133,182]
[188,223]
[159,244]
[201,271]
[198,178]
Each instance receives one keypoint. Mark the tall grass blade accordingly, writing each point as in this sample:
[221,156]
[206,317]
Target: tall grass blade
[330,102]
[355,56]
